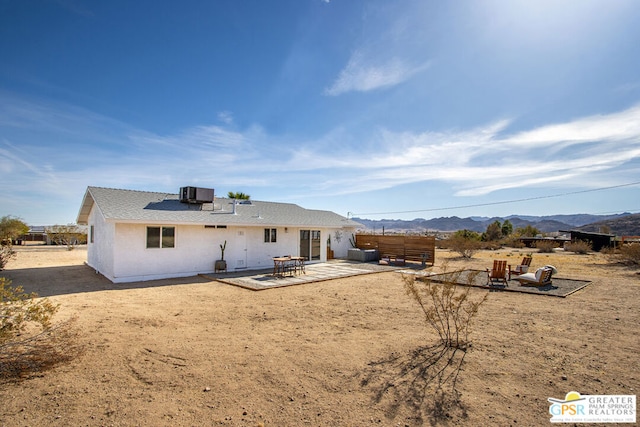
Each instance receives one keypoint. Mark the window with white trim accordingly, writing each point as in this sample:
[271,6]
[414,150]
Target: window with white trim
[270,235]
[161,237]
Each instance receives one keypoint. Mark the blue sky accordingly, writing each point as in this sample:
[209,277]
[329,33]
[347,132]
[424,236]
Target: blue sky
[379,109]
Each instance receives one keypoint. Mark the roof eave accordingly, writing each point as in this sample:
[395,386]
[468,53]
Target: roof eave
[85,208]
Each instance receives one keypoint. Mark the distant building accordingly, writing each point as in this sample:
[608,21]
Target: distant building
[36,234]
[531,242]
[597,240]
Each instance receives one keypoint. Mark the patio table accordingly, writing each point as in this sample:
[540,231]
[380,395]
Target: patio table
[283,265]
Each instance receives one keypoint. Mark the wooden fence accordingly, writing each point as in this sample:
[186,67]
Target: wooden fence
[411,248]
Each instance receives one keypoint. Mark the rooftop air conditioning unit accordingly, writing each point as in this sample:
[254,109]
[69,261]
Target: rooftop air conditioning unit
[196,195]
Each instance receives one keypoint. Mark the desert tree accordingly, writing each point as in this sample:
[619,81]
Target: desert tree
[69,235]
[11,228]
[507,228]
[493,232]
[528,231]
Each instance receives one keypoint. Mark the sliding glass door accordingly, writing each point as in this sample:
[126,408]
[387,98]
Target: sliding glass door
[310,244]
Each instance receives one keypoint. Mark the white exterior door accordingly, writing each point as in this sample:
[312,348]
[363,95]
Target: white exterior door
[240,260]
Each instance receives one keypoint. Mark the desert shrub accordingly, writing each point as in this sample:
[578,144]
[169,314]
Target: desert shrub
[447,307]
[431,370]
[491,246]
[545,246]
[630,254]
[6,254]
[464,246]
[514,242]
[579,247]
[608,250]
[468,234]
[29,341]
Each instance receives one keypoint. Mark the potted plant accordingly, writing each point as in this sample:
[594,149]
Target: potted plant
[221,264]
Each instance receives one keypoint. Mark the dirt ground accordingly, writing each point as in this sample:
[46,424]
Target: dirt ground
[192,352]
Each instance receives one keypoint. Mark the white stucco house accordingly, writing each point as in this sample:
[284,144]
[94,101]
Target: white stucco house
[139,235]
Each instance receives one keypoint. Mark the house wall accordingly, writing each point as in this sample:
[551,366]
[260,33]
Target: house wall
[100,252]
[340,240]
[198,247]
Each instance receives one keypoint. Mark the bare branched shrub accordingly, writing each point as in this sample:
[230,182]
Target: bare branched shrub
[29,341]
[447,307]
[431,370]
[579,246]
[546,246]
[6,254]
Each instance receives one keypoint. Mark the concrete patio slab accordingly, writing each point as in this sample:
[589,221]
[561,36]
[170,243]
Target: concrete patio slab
[334,269]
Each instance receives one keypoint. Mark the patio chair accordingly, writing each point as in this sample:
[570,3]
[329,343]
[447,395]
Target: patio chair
[542,276]
[522,268]
[498,273]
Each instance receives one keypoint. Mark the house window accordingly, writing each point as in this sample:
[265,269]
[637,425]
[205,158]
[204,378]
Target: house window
[270,235]
[161,237]
[91,233]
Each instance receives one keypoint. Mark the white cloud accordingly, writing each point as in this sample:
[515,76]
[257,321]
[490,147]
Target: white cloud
[363,75]
[611,127]
[480,161]
[472,162]
[225,117]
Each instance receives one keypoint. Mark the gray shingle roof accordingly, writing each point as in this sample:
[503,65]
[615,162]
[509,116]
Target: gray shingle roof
[162,208]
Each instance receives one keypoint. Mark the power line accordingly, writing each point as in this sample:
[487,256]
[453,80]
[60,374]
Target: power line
[504,202]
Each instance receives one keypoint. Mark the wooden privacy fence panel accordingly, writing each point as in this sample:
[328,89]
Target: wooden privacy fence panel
[411,248]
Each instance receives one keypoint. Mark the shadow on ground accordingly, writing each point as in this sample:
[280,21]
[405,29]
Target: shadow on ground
[73,279]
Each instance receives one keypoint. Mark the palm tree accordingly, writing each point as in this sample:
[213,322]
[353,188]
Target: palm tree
[238,195]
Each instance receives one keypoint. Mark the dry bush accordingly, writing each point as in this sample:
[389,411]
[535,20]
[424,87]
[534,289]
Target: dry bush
[545,246]
[431,370]
[447,307]
[514,242]
[630,254]
[29,341]
[466,247]
[579,247]
[608,250]
[492,245]
[6,254]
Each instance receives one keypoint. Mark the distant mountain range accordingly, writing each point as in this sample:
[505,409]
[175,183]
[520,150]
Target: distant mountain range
[619,224]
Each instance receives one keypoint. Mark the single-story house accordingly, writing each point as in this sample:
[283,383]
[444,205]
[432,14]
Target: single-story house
[139,235]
